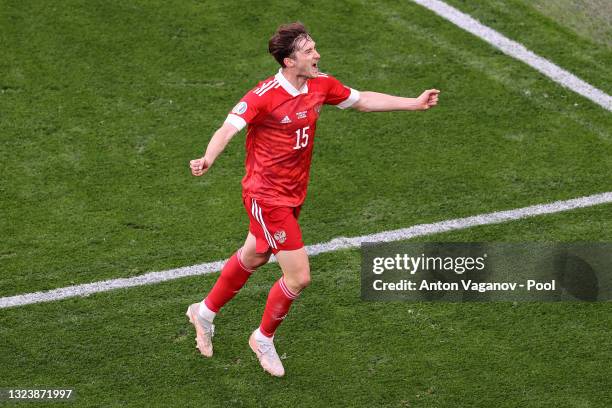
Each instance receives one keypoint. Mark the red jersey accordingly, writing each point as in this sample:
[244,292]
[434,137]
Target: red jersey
[281,128]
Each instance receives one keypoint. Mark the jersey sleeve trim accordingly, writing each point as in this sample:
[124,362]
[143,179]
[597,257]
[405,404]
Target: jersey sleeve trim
[236,121]
[350,101]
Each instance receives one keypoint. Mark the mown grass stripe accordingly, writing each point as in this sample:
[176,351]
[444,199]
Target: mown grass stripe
[518,51]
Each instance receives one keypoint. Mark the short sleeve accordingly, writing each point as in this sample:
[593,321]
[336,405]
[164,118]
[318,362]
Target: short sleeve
[245,111]
[340,95]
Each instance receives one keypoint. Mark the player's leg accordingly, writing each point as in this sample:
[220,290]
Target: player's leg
[236,271]
[277,229]
[250,257]
[296,276]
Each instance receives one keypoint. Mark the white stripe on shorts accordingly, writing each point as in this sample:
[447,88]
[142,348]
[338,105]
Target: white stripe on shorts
[263,224]
[256,211]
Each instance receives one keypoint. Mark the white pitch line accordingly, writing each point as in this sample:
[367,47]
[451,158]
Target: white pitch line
[335,244]
[518,51]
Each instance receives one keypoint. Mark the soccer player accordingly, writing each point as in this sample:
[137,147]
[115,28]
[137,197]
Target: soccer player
[281,117]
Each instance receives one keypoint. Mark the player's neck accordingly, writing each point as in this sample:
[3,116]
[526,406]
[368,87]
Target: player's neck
[295,80]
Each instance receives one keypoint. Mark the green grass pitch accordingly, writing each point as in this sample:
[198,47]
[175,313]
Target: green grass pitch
[102,105]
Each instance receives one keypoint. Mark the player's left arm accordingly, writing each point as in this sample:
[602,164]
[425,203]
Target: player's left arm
[380,102]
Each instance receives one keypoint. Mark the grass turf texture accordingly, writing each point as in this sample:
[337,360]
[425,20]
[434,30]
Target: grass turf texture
[550,32]
[588,18]
[104,103]
[134,347]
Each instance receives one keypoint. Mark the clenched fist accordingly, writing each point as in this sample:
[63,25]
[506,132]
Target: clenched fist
[428,99]
[199,166]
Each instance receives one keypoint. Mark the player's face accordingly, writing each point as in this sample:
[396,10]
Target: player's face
[306,58]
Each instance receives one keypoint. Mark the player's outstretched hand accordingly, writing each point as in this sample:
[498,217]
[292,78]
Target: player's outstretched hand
[428,99]
[199,166]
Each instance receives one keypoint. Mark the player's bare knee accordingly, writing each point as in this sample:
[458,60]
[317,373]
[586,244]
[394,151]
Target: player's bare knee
[304,276]
[299,281]
[259,260]
[304,281]
[254,260]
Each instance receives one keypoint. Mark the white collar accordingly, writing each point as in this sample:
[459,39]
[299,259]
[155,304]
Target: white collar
[287,85]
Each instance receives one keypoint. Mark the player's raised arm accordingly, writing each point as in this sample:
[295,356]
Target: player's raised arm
[216,145]
[379,102]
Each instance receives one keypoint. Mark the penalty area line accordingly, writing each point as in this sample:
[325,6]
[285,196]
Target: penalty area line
[335,244]
[518,51]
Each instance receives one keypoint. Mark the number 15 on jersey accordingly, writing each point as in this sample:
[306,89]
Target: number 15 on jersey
[301,138]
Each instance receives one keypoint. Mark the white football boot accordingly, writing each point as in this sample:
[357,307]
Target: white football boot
[205,330]
[263,347]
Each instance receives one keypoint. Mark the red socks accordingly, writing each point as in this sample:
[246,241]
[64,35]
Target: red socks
[277,306]
[233,277]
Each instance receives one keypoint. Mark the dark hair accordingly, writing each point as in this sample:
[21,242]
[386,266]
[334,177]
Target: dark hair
[283,42]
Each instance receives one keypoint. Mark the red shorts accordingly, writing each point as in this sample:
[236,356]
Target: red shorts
[274,227]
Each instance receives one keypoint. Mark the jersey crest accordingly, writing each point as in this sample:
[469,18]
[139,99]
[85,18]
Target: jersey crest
[240,108]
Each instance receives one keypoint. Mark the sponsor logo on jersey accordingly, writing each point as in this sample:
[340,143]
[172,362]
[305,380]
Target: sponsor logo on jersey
[240,108]
[301,115]
[280,236]
[285,120]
